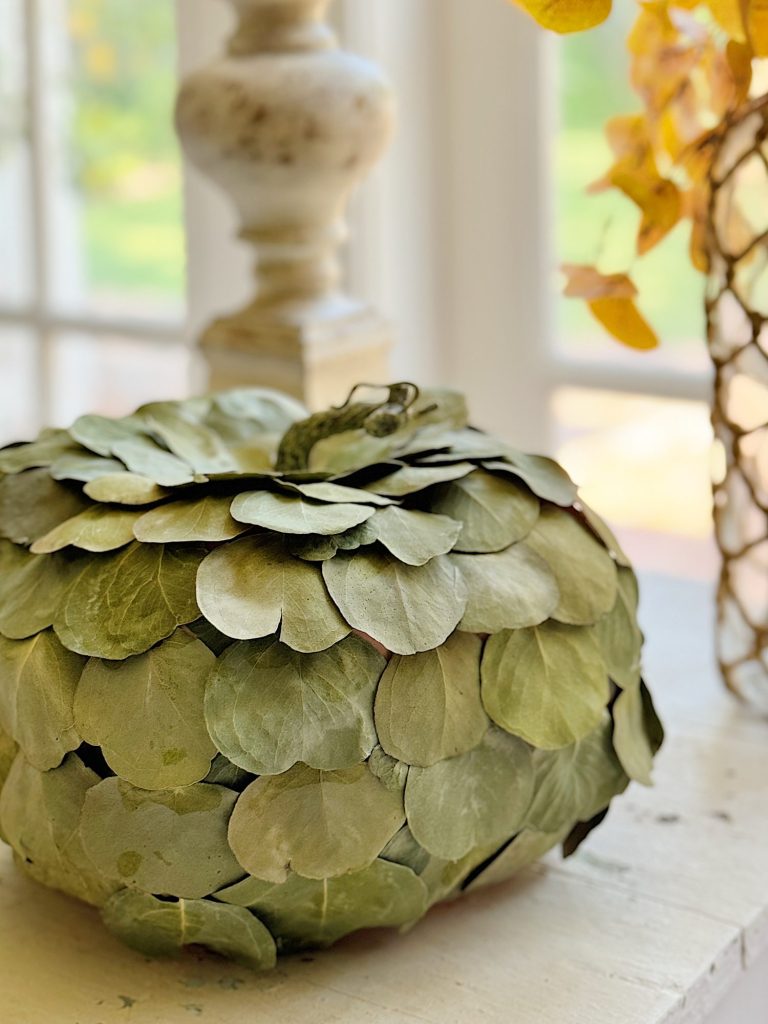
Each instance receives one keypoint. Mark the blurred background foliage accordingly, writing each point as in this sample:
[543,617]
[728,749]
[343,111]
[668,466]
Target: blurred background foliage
[123,153]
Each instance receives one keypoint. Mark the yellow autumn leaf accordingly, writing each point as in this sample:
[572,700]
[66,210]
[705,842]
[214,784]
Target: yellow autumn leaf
[623,320]
[611,300]
[567,15]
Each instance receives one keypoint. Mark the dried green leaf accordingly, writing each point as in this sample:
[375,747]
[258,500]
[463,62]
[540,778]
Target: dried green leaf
[547,684]
[472,800]
[163,928]
[548,480]
[123,603]
[403,849]
[125,489]
[456,444]
[412,537]
[511,589]
[494,513]
[526,848]
[585,572]
[191,441]
[428,705]
[287,514]
[40,817]
[172,842]
[146,713]
[224,773]
[98,529]
[31,590]
[38,678]
[605,534]
[253,412]
[8,751]
[336,493]
[84,467]
[630,738]
[574,783]
[619,635]
[145,457]
[195,519]
[302,912]
[410,479]
[49,446]
[405,608]
[252,587]
[319,824]
[31,504]
[268,706]
[100,433]
[391,772]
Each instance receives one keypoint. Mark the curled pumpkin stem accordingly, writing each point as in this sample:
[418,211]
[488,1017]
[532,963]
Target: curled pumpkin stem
[379,419]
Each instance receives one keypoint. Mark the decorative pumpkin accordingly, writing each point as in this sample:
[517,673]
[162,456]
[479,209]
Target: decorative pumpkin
[266,680]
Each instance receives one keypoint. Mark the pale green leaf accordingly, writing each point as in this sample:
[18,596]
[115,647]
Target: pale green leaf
[283,513]
[342,454]
[410,479]
[428,705]
[457,444]
[8,751]
[391,772]
[194,519]
[605,533]
[630,739]
[125,489]
[31,504]
[172,842]
[403,849]
[318,824]
[494,513]
[162,928]
[405,608]
[146,713]
[40,817]
[526,848]
[337,493]
[547,684]
[268,706]
[84,467]
[253,587]
[31,590]
[49,446]
[125,602]
[546,478]
[574,783]
[585,572]
[98,529]
[619,636]
[38,678]
[224,773]
[507,590]
[413,537]
[143,456]
[196,444]
[100,433]
[305,913]
[469,801]
[253,412]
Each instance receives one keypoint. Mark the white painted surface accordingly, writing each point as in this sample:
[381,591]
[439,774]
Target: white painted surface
[662,918]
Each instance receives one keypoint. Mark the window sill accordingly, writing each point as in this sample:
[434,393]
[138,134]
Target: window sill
[661,917]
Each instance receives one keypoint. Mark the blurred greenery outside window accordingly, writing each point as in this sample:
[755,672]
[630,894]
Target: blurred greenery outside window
[642,460]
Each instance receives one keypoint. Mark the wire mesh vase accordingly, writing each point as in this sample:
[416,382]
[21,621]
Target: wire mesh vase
[737,331]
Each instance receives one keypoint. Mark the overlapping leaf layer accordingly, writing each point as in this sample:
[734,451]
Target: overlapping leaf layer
[266,680]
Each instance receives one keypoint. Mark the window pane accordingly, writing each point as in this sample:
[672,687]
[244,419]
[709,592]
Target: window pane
[112,375]
[15,199]
[601,229]
[18,400]
[118,244]
[644,464]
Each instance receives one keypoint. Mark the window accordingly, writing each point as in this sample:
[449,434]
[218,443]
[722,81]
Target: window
[92,289]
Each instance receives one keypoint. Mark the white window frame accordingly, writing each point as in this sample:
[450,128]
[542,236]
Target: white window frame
[40,316]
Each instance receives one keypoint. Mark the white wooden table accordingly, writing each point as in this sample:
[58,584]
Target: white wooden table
[661,917]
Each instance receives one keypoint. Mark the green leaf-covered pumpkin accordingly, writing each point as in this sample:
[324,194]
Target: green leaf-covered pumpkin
[267,679]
